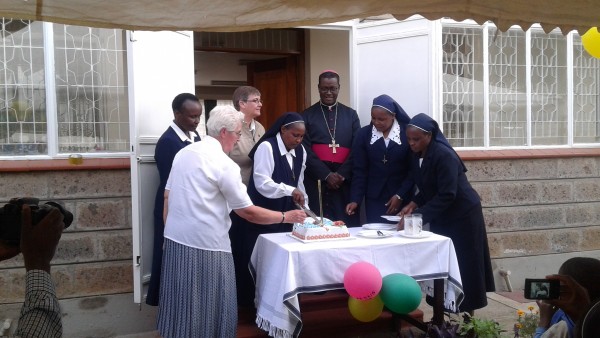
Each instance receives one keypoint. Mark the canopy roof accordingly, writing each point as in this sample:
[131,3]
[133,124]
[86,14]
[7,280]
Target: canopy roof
[244,15]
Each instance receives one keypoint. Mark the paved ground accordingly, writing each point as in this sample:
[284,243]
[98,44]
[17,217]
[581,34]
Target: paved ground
[501,308]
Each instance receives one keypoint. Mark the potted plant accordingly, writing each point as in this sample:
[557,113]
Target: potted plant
[471,327]
[448,329]
[526,323]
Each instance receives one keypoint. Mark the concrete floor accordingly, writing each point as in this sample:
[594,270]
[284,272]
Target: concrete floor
[501,308]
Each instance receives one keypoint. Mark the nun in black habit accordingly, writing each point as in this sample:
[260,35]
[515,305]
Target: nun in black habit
[451,206]
[381,161]
[276,183]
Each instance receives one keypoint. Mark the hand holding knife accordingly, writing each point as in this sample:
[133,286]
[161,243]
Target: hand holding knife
[310,213]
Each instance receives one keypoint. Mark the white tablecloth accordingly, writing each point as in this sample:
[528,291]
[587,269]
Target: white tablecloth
[283,267]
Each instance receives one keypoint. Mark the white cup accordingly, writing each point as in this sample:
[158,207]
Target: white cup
[408,228]
[417,224]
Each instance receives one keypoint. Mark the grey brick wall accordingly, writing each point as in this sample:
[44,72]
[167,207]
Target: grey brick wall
[94,255]
[539,212]
[539,206]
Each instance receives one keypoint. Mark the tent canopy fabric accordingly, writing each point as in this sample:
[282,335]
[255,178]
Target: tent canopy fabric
[246,15]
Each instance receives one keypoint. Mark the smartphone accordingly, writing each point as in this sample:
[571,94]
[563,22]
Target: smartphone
[541,288]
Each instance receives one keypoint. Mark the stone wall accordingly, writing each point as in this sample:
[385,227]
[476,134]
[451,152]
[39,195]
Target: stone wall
[539,212]
[94,254]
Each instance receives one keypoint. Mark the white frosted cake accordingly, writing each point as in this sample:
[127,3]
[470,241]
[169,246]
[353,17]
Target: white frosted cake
[308,231]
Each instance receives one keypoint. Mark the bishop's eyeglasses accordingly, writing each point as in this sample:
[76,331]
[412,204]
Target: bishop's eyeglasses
[325,90]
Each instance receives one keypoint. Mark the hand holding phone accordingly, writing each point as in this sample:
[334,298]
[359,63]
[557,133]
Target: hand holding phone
[574,298]
[541,288]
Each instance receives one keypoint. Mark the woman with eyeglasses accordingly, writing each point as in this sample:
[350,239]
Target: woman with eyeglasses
[246,99]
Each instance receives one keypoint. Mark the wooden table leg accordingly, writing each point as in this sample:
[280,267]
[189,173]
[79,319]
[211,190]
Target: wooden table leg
[438,302]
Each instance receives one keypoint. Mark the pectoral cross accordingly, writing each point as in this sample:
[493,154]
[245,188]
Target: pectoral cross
[384,159]
[333,145]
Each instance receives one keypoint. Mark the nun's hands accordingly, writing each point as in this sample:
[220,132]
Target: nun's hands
[408,209]
[393,205]
[298,196]
[400,225]
[351,208]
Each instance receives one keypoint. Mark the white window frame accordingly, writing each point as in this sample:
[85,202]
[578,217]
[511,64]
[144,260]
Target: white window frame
[438,108]
[52,110]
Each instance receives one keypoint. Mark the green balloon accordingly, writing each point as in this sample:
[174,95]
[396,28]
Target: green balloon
[400,293]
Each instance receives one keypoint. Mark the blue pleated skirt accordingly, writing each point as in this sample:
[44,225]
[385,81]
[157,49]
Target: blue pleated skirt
[197,293]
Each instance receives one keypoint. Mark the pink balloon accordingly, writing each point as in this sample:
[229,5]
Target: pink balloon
[362,280]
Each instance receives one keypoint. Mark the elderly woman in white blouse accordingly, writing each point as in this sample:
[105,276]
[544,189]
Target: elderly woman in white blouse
[197,295]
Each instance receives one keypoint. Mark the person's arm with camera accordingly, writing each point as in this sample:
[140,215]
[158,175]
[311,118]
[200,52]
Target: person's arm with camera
[40,314]
[574,298]
[567,308]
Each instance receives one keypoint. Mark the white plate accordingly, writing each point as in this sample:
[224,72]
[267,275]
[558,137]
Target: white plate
[379,226]
[375,233]
[392,218]
[423,234]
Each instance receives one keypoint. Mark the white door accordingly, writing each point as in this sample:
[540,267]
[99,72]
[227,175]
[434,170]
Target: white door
[396,58]
[161,65]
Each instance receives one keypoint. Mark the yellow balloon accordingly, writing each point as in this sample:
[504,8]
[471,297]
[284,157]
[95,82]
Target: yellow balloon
[591,42]
[365,310]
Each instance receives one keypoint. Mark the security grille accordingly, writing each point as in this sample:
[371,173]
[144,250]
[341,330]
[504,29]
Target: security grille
[517,88]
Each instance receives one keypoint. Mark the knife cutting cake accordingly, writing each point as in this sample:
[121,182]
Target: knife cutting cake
[308,231]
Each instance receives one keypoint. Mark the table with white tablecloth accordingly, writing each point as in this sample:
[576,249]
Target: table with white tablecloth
[283,267]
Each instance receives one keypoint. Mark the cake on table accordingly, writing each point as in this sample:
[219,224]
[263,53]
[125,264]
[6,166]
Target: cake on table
[308,231]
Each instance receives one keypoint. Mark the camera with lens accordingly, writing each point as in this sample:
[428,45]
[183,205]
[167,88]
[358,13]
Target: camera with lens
[10,217]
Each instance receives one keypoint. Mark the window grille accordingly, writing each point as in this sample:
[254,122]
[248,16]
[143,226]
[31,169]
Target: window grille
[523,96]
[82,69]
[22,89]
[548,88]
[507,88]
[91,90]
[586,99]
[462,85]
